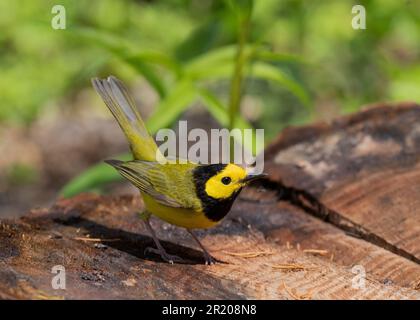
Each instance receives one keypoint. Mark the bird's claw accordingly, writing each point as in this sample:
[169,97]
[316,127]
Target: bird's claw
[209,259]
[164,255]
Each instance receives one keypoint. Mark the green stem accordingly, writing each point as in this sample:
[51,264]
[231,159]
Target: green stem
[237,77]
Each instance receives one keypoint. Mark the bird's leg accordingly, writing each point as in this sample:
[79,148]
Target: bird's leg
[160,250]
[209,259]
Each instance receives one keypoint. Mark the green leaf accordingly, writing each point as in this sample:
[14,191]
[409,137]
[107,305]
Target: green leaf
[209,60]
[109,41]
[220,113]
[270,56]
[219,64]
[93,177]
[243,8]
[271,73]
[157,58]
[148,73]
[141,61]
[215,63]
[169,108]
[260,70]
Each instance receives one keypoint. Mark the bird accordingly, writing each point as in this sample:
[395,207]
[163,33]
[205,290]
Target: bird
[183,193]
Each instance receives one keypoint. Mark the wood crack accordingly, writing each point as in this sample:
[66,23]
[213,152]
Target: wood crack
[311,205]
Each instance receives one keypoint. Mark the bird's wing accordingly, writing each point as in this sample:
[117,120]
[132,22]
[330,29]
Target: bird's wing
[168,185]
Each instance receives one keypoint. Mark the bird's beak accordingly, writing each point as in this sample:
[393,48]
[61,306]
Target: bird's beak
[252,177]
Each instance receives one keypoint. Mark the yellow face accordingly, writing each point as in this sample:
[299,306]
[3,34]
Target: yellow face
[224,184]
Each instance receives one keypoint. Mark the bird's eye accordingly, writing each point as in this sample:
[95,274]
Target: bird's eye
[226,180]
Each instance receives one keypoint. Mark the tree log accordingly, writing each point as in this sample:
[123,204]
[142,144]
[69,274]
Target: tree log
[341,198]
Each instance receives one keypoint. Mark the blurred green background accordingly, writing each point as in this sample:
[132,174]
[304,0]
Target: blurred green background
[302,61]
[342,68]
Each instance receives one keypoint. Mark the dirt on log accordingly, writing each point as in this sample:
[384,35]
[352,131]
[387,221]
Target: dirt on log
[338,218]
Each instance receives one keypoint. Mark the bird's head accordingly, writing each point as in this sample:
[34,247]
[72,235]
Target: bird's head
[222,181]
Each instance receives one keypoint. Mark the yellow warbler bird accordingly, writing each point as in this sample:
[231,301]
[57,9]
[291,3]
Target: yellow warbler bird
[188,195]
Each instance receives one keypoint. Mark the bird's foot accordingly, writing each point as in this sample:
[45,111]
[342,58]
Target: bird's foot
[209,259]
[164,255]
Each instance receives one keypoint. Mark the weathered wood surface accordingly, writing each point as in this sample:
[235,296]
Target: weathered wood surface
[33,245]
[364,170]
[271,227]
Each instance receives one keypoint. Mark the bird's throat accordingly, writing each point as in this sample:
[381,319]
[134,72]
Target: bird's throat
[217,209]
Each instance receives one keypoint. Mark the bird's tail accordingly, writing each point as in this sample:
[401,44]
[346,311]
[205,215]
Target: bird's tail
[119,102]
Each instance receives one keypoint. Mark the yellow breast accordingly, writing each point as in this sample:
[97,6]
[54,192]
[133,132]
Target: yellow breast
[186,218]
